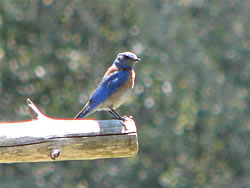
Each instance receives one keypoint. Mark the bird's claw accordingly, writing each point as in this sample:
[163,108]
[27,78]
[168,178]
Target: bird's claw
[123,120]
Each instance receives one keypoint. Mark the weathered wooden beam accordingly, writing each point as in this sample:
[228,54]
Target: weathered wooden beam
[47,139]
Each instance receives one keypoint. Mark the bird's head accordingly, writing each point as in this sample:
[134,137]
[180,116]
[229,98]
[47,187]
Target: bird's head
[126,60]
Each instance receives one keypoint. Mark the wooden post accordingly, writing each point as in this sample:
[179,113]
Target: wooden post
[46,139]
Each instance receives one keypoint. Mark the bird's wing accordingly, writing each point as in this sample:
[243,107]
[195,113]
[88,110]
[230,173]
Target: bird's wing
[108,86]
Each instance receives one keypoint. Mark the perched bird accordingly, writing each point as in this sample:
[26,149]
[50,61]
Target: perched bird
[114,88]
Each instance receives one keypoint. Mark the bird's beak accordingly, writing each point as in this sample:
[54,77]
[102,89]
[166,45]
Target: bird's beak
[138,59]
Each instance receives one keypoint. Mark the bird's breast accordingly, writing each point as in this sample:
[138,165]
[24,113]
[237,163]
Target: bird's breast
[121,95]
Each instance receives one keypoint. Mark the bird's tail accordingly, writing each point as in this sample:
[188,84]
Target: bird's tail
[84,112]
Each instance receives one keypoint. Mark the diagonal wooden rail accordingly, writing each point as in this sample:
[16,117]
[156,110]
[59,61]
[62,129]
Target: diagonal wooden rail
[47,139]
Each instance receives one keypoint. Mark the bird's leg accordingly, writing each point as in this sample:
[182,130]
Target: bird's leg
[116,115]
[113,114]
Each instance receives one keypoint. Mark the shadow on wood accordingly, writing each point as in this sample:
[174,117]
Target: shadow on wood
[46,139]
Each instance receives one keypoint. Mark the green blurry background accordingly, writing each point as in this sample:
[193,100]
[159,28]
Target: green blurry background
[191,100]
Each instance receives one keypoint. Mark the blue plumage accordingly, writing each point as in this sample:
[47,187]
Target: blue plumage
[111,91]
[110,85]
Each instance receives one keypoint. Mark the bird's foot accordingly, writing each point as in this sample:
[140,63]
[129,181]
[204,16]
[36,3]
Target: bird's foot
[119,118]
[124,118]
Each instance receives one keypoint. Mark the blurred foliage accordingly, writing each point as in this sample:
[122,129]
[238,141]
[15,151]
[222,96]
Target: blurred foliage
[191,100]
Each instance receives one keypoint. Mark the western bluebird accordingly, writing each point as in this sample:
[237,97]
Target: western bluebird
[114,88]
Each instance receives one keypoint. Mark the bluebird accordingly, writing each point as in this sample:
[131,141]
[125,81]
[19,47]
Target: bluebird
[114,88]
